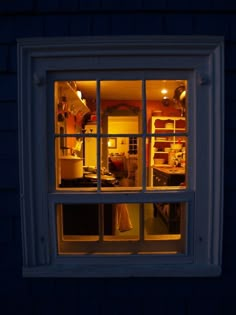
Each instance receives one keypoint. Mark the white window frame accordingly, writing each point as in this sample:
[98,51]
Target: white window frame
[200,57]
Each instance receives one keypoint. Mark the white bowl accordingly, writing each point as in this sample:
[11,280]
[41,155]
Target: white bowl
[176,146]
[169,125]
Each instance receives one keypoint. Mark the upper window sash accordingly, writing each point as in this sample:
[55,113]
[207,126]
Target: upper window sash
[126,75]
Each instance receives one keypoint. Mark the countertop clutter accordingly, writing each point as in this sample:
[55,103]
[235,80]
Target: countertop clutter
[170,170]
[168,146]
[170,212]
[164,176]
[89,179]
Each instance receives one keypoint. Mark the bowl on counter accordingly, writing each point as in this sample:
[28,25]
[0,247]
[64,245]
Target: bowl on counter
[169,125]
[167,150]
[176,146]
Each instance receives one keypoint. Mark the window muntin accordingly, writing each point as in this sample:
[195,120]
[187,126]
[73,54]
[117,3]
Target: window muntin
[100,144]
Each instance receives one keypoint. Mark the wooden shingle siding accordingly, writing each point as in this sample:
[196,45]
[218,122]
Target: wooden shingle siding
[30,18]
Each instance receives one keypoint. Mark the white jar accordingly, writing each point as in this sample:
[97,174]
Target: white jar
[171,157]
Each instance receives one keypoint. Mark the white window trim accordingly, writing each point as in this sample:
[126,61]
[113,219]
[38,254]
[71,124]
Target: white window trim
[203,57]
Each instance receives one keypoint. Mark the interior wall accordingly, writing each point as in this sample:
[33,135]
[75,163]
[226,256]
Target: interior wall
[122,124]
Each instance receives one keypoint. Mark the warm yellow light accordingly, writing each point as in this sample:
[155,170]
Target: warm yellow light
[182,95]
[79,94]
[164,91]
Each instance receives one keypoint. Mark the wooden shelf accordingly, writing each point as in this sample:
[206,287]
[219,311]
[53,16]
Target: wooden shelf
[171,136]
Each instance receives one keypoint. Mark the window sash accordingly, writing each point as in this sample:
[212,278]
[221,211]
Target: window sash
[170,243]
[159,244]
[123,75]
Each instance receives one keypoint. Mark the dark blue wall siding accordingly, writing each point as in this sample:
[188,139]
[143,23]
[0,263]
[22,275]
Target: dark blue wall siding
[110,296]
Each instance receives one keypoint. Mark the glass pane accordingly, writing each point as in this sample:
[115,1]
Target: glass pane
[168,165]
[120,100]
[78,221]
[164,219]
[72,107]
[166,98]
[166,120]
[75,118]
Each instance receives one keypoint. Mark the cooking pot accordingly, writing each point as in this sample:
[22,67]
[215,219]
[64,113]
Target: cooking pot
[71,167]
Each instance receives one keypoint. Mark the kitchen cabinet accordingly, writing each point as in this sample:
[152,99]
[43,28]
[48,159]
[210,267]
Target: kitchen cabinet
[168,131]
[169,212]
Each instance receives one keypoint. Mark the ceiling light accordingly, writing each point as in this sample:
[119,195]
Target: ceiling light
[79,94]
[164,91]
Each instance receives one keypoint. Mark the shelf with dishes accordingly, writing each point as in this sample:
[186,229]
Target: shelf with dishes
[170,129]
[169,139]
[168,143]
[168,122]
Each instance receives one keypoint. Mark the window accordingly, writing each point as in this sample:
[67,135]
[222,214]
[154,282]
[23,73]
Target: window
[121,143]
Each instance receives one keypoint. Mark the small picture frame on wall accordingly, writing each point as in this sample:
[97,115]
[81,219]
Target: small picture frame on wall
[112,143]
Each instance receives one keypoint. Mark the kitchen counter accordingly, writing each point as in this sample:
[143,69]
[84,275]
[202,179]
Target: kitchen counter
[169,212]
[168,176]
[169,170]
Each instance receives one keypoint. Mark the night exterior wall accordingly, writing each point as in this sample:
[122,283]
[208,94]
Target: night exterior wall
[37,18]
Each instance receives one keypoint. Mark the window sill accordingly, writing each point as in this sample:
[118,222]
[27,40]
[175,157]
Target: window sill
[125,271]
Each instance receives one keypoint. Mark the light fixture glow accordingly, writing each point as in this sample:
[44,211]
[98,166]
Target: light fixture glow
[182,95]
[164,91]
[79,94]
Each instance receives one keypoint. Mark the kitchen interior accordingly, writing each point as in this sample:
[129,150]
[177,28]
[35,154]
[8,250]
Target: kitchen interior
[105,149]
